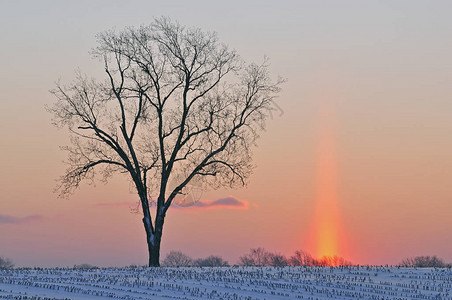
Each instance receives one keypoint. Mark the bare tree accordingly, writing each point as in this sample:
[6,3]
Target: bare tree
[256,257]
[423,262]
[262,257]
[332,261]
[302,258]
[176,105]
[177,259]
[6,263]
[210,261]
[277,260]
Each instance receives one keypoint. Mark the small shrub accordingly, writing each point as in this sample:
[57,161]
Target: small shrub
[6,263]
[262,257]
[423,262]
[177,259]
[332,261]
[85,267]
[277,260]
[256,257]
[211,261]
[302,258]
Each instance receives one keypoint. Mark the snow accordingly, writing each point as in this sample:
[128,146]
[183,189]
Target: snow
[228,283]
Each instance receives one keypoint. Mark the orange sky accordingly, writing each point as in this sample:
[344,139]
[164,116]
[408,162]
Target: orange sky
[361,152]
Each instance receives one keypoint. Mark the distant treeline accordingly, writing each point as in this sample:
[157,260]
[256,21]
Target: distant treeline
[255,257]
[265,258]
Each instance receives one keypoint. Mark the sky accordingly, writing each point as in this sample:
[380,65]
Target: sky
[358,162]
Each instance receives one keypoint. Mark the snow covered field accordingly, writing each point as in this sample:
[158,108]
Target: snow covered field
[228,283]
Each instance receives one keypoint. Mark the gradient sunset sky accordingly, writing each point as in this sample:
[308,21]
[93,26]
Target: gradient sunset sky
[358,162]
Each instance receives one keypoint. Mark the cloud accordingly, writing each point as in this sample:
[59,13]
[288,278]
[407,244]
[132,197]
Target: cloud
[229,202]
[5,219]
[222,203]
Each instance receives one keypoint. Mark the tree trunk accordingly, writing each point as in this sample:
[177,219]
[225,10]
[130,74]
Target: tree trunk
[153,240]
[153,235]
[154,253]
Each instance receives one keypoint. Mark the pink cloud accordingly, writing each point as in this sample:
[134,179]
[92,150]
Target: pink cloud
[229,202]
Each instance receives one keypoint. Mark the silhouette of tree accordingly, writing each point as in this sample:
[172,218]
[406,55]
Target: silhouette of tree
[423,262]
[332,261]
[176,105]
[177,259]
[262,257]
[277,260]
[256,257]
[210,261]
[302,258]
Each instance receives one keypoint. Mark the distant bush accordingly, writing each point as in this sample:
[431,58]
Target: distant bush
[256,257]
[332,261]
[210,261]
[423,262]
[262,257]
[177,259]
[302,258]
[277,260]
[6,263]
[85,267]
